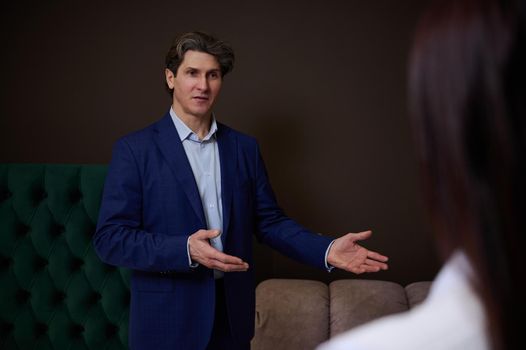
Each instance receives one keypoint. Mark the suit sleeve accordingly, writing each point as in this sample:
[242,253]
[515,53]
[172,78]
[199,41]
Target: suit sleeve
[120,239]
[279,231]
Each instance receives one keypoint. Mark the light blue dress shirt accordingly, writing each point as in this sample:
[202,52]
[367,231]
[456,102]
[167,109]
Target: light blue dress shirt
[203,156]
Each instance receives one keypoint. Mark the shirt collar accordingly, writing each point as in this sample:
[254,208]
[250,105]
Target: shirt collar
[186,133]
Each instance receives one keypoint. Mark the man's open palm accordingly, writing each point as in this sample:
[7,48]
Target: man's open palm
[348,255]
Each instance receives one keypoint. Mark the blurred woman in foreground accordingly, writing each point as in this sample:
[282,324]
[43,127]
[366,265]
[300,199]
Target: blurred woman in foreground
[468,97]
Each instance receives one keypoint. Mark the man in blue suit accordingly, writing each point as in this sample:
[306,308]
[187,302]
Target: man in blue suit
[181,201]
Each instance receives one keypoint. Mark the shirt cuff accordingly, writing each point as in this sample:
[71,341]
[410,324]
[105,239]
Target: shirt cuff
[190,262]
[328,266]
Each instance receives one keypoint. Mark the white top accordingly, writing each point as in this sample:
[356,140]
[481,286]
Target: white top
[452,317]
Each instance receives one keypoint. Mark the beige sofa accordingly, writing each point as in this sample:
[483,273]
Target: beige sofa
[300,314]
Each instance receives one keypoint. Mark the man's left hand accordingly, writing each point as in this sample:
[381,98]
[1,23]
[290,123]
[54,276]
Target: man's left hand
[348,255]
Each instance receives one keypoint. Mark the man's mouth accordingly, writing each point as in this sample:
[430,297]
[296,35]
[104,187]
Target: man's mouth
[201,98]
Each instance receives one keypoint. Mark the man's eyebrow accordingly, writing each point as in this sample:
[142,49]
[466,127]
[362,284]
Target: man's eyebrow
[197,69]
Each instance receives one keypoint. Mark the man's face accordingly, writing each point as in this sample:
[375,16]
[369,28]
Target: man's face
[196,84]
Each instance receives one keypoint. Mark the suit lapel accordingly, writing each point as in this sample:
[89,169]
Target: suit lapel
[228,159]
[172,149]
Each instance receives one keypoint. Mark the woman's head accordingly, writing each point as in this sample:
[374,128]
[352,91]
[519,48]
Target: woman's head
[468,98]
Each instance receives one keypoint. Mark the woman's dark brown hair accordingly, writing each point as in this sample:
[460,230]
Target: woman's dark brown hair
[468,97]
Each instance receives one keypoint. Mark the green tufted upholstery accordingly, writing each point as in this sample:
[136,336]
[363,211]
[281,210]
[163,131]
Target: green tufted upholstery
[54,291]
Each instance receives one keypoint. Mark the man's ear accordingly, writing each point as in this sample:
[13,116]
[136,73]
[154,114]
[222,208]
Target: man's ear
[169,78]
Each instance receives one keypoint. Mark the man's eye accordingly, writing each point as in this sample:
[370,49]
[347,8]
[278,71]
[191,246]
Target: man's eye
[214,75]
[192,73]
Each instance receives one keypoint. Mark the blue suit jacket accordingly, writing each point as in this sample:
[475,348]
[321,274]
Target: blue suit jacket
[151,205]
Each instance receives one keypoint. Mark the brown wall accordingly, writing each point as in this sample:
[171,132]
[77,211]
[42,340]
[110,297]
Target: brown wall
[321,84]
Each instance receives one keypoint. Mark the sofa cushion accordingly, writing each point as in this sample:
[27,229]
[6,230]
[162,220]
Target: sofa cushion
[291,314]
[416,292]
[354,302]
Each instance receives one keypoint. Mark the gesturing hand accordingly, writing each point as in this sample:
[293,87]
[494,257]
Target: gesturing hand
[202,252]
[347,255]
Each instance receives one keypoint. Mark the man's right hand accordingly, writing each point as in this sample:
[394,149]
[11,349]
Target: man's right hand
[203,253]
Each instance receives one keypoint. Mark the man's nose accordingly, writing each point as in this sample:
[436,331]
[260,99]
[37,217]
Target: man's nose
[202,84]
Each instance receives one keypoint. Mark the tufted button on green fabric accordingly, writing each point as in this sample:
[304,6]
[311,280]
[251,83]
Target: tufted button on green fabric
[5,262]
[58,298]
[22,296]
[77,330]
[95,298]
[111,330]
[6,327]
[5,194]
[76,196]
[76,264]
[40,263]
[23,230]
[40,329]
[57,230]
[40,195]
